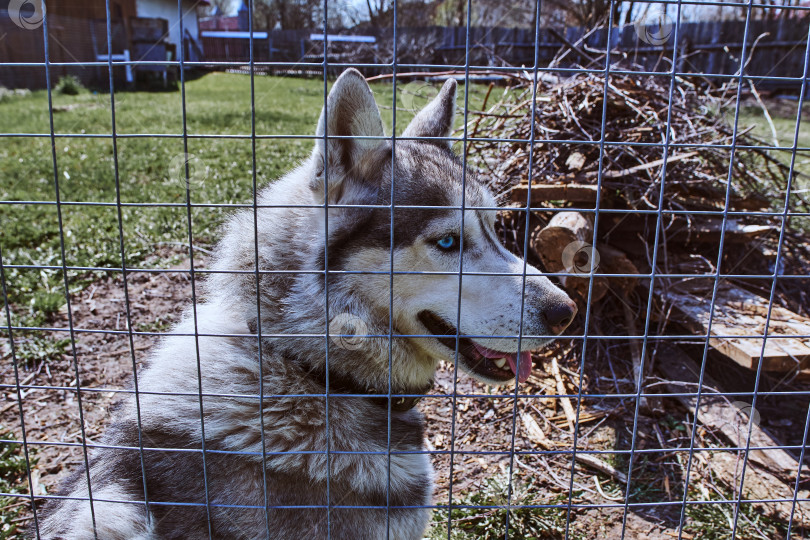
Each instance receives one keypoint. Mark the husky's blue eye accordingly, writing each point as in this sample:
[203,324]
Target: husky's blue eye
[447,242]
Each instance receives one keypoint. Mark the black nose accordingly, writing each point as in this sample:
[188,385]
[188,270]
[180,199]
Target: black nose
[559,316]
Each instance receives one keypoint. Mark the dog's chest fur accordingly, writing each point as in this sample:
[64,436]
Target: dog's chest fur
[297,467]
[295,447]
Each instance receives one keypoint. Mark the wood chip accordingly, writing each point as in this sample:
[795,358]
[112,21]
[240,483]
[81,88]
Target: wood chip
[533,431]
[568,409]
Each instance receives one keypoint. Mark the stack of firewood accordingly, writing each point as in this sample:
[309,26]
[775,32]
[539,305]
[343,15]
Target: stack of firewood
[630,199]
[661,190]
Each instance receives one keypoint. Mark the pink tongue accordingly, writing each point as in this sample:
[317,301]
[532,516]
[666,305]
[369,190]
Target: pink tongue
[525,360]
[525,365]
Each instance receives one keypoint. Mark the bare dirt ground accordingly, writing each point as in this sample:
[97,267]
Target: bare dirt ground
[105,364]
[481,439]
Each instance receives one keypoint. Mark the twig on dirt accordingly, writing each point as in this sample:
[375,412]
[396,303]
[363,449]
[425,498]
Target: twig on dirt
[595,463]
[534,432]
[602,493]
[185,245]
[570,415]
[675,534]
[119,352]
[8,406]
[550,473]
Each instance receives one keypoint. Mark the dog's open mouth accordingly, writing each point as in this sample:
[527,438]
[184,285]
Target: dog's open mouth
[488,363]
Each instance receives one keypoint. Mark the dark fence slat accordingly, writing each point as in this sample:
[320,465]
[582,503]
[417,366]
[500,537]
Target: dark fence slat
[706,47]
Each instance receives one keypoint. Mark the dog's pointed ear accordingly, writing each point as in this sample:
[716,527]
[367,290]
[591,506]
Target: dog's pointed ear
[350,112]
[436,119]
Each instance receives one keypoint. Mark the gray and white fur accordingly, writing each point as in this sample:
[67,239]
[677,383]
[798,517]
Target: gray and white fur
[222,492]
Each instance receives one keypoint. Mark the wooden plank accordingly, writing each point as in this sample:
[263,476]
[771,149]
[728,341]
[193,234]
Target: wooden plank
[772,473]
[583,193]
[741,313]
[717,413]
[699,229]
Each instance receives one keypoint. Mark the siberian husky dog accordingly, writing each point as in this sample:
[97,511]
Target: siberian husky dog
[201,455]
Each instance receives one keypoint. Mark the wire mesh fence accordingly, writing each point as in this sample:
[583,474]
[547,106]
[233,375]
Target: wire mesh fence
[278,376]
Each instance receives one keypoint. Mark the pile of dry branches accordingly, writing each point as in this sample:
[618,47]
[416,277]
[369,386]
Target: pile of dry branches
[636,116]
[637,174]
[566,119]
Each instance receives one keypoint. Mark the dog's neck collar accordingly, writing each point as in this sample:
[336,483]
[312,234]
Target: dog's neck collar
[339,384]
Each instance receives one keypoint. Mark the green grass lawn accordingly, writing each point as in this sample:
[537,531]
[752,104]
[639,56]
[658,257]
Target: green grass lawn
[150,169]
[783,115]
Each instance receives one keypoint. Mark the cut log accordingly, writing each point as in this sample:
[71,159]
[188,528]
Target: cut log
[564,245]
[564,229]
[614,261]
[717,412]
[741,313]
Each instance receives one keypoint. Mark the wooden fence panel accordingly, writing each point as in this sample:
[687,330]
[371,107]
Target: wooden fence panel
[72,43]
[712,48]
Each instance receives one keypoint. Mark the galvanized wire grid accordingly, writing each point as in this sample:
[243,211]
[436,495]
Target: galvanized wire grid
[533,140]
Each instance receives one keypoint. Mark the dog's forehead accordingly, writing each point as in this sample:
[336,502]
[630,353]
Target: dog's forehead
[427,175]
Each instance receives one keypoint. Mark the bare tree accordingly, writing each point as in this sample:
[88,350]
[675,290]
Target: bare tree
[380,13]
[266,15]
[222,7]
[288,14]
[485,13]
[586,13]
